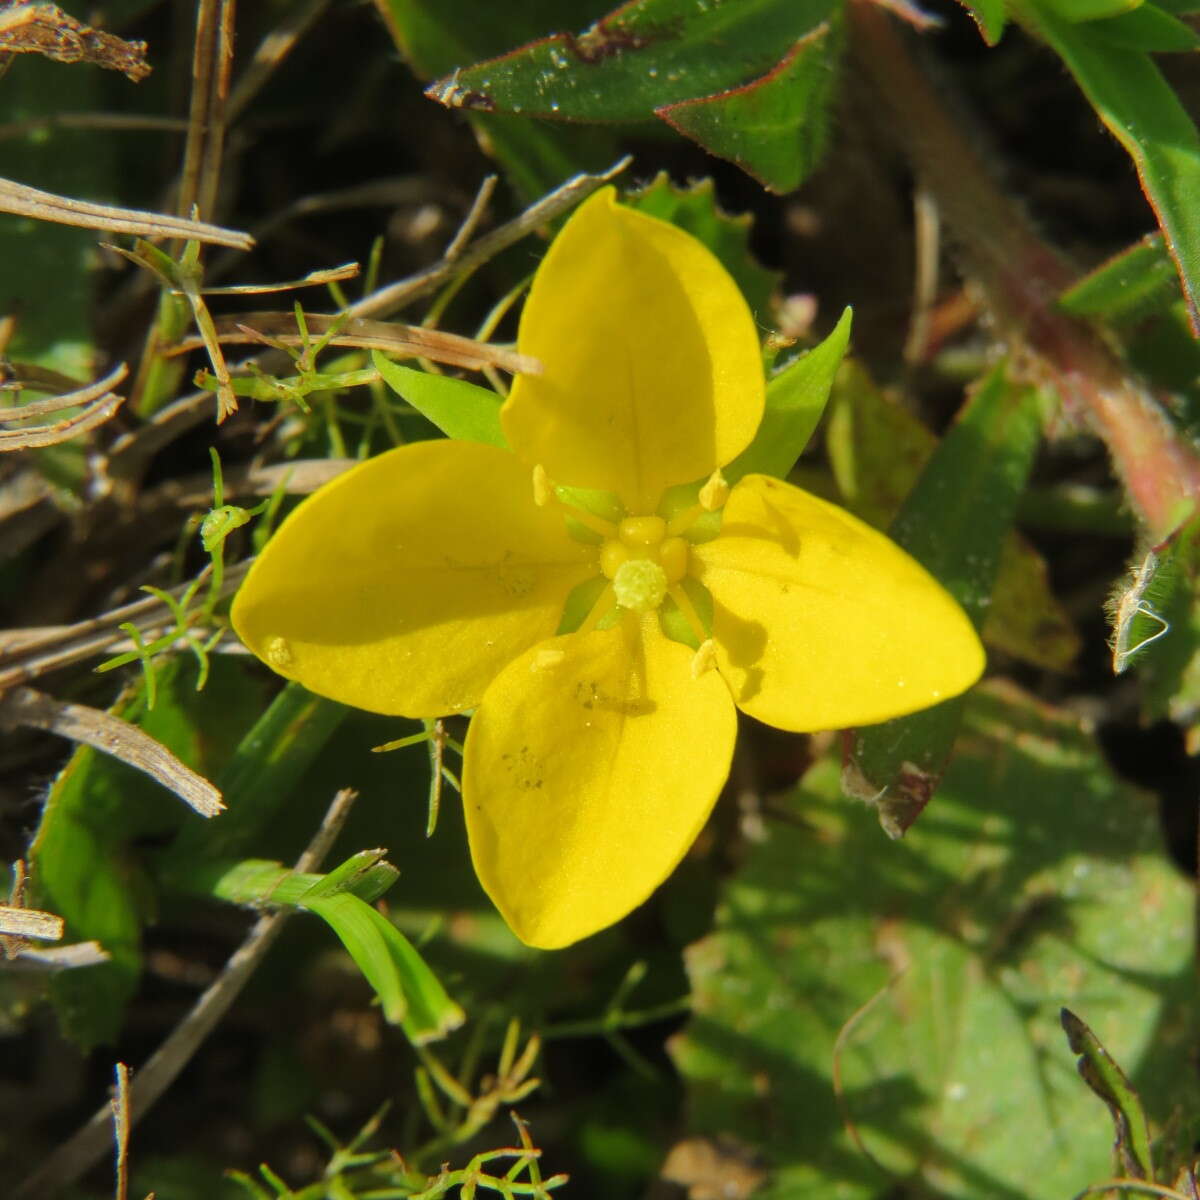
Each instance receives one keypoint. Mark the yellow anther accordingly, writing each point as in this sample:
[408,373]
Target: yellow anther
[543,489]
[641,533]
[673,555]
[705,659]
[715,492]
[612,555]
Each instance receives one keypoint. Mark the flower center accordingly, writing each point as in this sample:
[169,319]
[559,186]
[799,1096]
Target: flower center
[644,562]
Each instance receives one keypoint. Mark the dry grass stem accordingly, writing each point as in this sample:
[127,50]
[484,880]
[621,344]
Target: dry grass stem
[87,1145]
[410,341]
[211,63]
[99,402]
[30,923]
[25,201]
[25,706]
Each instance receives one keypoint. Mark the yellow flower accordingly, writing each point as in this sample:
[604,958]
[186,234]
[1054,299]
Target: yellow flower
[433,578]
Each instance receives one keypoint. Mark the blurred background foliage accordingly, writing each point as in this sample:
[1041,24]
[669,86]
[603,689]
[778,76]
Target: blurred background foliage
[852,986]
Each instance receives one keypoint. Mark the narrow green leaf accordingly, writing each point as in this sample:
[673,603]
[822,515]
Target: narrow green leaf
[1130,285]
[459,409]
[1089,10]
[257,882]
[773,127]
[408,991]
[1147,28]
[270,761]
[1102,1074]
[796,398]
[906,994]
[955,522]
[1139,108]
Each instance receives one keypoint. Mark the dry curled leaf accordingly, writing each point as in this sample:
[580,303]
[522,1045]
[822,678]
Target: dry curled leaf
[45,29]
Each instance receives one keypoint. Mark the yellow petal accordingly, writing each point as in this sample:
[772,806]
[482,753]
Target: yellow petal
[653,374]
[820,621]
[406,584]
[591,766]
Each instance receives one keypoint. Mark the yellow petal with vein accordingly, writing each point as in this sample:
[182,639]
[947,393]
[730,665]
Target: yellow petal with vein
[653,374]
[406,584]
[821,622]
[591,766]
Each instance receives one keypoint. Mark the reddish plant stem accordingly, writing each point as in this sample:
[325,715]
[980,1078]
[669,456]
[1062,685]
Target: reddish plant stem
[1020,277]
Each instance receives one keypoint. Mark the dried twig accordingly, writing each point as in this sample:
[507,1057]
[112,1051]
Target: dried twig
[99,402]
[411,341]
[29,923]
[46,206]
[25,706]
[120,1116]
[88,1144]
[45,29]
[211,62]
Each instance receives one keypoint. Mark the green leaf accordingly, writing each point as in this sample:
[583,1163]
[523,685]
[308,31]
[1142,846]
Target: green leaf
[774,127]
[930,972]
[796,398]
[954,522]
[85,867]
[1147,28]
[408,991]
[459,409]
[878,450]
[1139,108]
[1130,285]
[990,16]
[1078,11]
[435,36]
[695,210]
[410,994]
[647,56]
[1099,1070]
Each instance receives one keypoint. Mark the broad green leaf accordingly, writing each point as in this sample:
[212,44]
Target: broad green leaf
[85,868]
[796,399]
[1138,106]
[990,16]
[1100,1071]
[1148,28]
[436,36]
[1130,285]
[694,209]
[955,522]
[877,450]
[775,127]
[930,973]
[458,408]
[649,55]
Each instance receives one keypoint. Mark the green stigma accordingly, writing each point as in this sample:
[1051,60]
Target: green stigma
[640,584]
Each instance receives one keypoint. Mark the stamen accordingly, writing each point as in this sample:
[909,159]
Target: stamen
[605,603]
[715,492]
[705,659]
[713,495]
[684,603]
[544,493]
